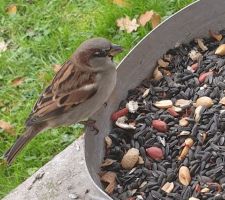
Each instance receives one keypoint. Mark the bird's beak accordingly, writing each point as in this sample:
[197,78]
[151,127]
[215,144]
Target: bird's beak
[115,49]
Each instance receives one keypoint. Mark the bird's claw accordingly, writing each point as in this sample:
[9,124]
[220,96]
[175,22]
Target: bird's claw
[91,124]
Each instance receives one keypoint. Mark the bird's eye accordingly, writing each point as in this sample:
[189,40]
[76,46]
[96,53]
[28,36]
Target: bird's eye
[101,53]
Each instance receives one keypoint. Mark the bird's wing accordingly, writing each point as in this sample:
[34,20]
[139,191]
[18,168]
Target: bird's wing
[71,86]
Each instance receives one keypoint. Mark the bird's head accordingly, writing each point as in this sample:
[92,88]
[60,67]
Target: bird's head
[97,51]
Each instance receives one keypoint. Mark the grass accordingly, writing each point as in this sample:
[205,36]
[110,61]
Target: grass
[43,33]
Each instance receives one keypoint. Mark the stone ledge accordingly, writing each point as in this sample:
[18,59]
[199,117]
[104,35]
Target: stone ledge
[65,177]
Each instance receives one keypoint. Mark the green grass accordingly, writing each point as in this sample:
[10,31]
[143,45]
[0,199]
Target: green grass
[43,33]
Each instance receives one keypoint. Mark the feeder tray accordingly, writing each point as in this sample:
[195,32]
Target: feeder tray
[191,22]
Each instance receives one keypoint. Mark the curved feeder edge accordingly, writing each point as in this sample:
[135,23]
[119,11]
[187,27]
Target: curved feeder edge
[190,23]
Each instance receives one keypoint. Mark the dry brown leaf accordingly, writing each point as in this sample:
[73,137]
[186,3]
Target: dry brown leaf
[3,46]
[17,81]
[156,19]
[121,3]
[11,9]
[149,16]
[127,24]
[216,36]
[7,127]
[145,18]
[110,178]
[56,67]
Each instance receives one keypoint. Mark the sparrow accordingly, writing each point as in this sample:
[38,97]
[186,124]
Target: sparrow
[81,86]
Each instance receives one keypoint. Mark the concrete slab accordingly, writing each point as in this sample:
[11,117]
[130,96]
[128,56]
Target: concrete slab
[65,177]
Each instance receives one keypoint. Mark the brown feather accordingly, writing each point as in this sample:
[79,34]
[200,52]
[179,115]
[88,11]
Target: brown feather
[66,90]
[20,143]
[76,97]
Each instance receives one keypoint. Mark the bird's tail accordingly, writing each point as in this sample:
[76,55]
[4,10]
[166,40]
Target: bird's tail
[20,143]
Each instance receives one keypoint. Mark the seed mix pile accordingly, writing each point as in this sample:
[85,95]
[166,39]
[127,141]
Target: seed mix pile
[168,136]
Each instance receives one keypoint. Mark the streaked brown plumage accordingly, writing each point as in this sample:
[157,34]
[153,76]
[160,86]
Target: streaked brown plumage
[78,90]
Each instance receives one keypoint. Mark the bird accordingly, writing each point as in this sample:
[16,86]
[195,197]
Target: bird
[79,89]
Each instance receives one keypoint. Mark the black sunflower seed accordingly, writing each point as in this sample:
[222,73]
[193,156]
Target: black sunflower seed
[205,158]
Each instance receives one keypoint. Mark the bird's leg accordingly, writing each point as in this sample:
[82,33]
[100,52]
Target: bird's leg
[91,124]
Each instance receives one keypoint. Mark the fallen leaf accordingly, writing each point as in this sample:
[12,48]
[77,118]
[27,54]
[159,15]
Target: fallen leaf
[149,16]
[17,81]
[121,3]
[110,178]
[11,9]
[7,127]
[3,46]
[127,24]
[145,18]
[156,19]
[56,67]
[216,36]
